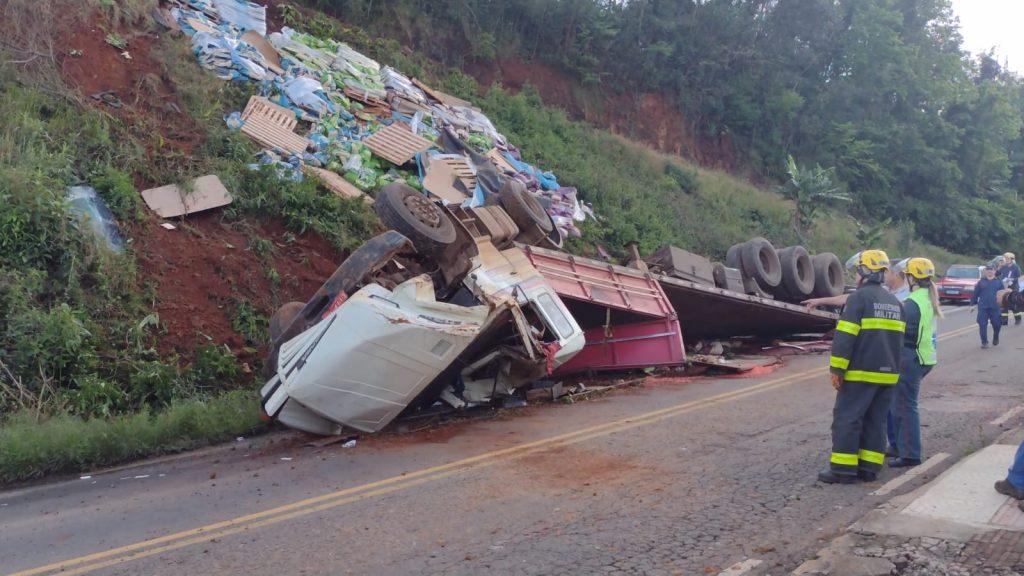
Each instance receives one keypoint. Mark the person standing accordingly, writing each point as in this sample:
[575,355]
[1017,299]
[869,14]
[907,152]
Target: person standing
[985,298]
[864,365]
[1013,484]
[1009,273]
[919,356]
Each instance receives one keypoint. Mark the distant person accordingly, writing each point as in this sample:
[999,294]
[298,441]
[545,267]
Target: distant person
[985,298]
[864,365]
[1009,273]
[920,310]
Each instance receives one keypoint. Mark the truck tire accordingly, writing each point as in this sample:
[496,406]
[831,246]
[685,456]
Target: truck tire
[828,275]
[407,211]
[718,273]
[553,241]
[282,319]
[761,262]
[797,273]
[524,209]
[732,257]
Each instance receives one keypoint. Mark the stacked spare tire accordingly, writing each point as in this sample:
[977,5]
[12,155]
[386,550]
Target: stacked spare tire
[791,274]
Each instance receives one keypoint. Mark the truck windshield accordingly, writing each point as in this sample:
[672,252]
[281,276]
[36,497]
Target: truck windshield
[963,272]
[556,320]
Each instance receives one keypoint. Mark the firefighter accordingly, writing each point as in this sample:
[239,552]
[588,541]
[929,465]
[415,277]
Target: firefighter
[1009,274]
[864,367]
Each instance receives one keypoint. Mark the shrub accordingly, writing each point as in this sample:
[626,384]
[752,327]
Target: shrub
[116,188]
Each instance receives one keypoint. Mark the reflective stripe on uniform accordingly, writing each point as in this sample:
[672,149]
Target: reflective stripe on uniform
[838,362]
[848,327]
[844,459]
[883,324]
[873,457]
[871,377]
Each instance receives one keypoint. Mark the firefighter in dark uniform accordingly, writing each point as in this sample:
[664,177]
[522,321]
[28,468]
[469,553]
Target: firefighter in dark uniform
[1009,273]
[864,366]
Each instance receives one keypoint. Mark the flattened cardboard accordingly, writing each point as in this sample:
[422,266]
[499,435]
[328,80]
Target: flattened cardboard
[264,47]
[443,98]
[396,143]
[170,201]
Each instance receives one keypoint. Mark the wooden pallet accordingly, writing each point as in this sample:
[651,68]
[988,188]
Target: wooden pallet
[272,126]
[336,183]
[443,172]
[396,143]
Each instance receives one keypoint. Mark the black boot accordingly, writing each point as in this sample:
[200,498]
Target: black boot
[865,476]
[829,477]
[904,462]
[1007,489]
[995,340]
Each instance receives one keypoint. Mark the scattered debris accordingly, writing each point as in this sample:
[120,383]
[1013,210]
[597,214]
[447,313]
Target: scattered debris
[93,212]
[349,444]
[203,193]
[109,98]
[450,177]
[396,143]
[272,125]
[168,226]
[116,40]
[336,183]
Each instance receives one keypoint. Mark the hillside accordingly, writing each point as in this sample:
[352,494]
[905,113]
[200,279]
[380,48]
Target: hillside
[179,318]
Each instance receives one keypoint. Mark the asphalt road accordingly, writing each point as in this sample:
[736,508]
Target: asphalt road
[675,477]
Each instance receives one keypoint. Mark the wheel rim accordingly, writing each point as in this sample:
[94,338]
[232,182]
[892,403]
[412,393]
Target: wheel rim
[423,210]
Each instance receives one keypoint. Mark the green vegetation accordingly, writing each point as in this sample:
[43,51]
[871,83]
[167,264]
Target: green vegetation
[879,90]
[63,443]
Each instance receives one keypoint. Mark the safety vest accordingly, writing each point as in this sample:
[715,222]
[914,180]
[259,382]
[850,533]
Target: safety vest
[926,353]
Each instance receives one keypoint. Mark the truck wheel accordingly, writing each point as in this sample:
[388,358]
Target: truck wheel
[828,275]
[718,273]
[553,241]
[404,209]
[282,319]
[797,273]
[732,257]
[524,209]
[761,262]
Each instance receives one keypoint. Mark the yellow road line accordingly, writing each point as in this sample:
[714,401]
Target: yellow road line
[174,541]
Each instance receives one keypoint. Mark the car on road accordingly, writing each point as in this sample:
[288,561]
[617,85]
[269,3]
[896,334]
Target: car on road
[957,285]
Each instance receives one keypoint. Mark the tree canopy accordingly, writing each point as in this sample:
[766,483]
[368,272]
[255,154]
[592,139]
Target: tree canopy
[880,90]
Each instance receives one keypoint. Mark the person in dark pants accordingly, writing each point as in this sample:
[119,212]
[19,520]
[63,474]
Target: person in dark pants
[920,311]
[985,298]
[1009,273]
[864,367]
[1013,485]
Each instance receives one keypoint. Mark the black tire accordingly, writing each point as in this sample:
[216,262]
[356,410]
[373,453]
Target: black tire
[761,262]
[732,257]
[797,273]
[828,275]
[523,208]
[718,273]
[282,319]
[407,211]
[553,241]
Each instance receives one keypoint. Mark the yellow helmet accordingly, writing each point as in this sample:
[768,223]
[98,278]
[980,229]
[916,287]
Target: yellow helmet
[1009,256]
[920,268]
[873,260]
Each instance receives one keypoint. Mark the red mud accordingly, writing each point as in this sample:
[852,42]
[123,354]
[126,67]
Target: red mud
[150,101]
[201,269]
[651,118]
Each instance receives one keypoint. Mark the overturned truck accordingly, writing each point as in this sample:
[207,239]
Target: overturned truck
[399,325]
[471,305]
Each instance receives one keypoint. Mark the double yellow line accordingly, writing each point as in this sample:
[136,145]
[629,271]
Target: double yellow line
[170,542]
